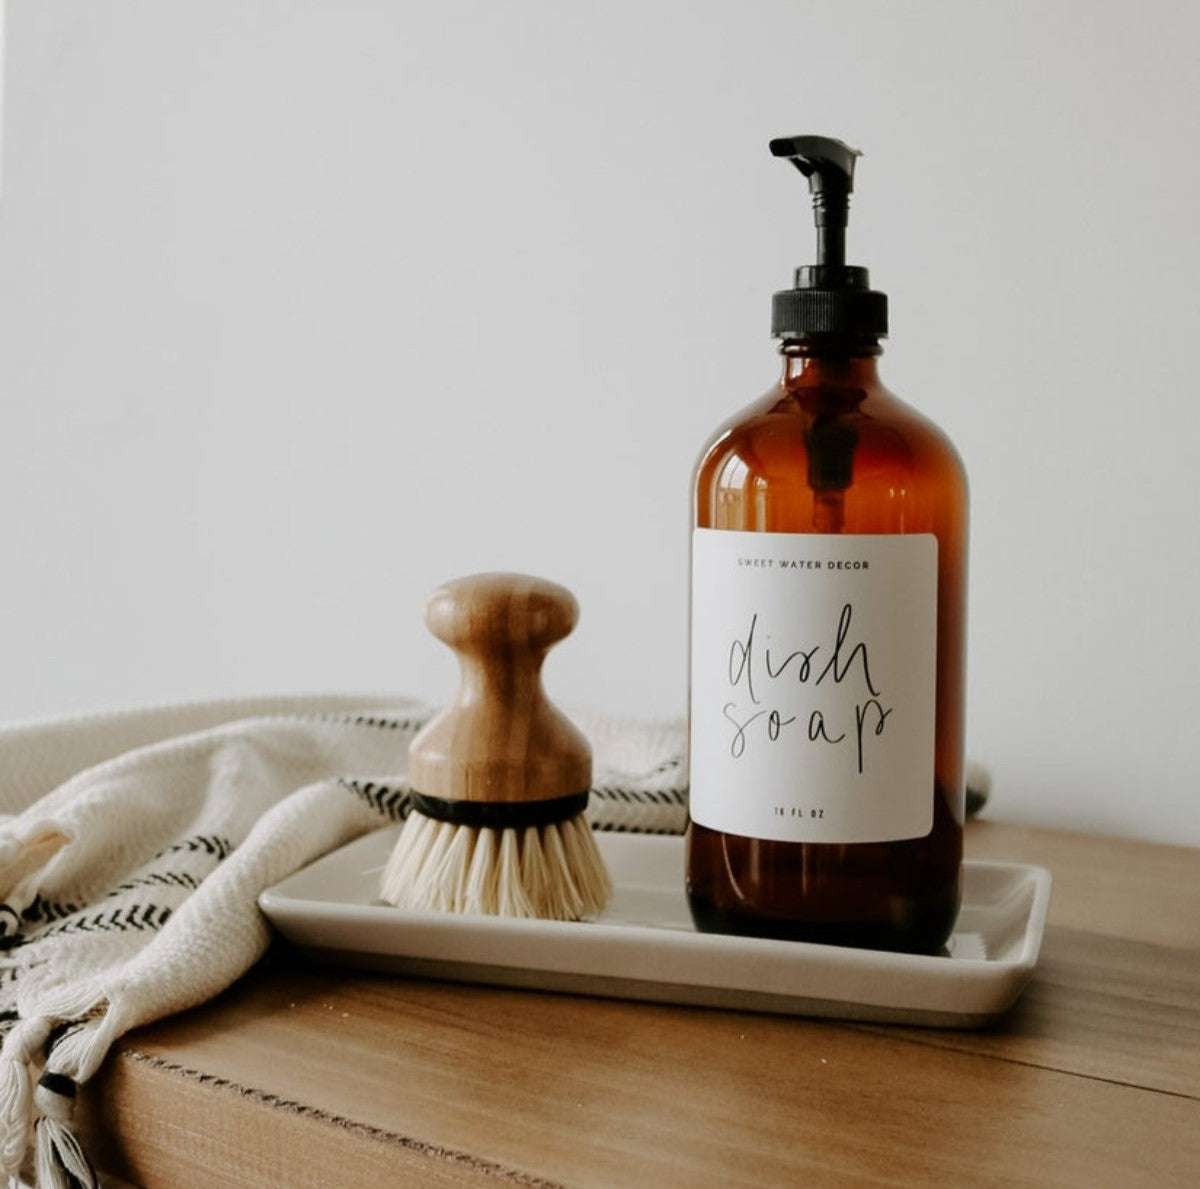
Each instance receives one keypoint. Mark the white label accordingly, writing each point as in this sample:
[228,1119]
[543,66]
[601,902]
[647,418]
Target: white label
[813,685]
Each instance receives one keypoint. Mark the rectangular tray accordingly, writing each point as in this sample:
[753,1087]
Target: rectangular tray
[645,946]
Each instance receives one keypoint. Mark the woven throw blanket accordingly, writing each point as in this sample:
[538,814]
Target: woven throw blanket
[133,848]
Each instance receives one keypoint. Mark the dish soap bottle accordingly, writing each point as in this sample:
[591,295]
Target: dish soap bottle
[829,554]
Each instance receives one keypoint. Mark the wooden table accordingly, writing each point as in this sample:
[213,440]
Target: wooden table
[307,1076]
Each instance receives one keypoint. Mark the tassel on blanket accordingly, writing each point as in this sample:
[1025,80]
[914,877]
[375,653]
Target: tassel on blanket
[48,1107]
[16,1104]
[59,1162]
[58,1159]
[21,1046]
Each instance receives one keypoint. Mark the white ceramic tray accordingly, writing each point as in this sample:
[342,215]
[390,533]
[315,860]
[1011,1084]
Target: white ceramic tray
[645,946]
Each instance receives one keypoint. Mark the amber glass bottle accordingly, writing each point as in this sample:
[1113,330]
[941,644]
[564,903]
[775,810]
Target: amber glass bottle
[828,633]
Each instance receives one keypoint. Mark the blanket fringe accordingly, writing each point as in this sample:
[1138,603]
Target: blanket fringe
[58,1159]
[73,1049]
[16,1105]
[21,1046]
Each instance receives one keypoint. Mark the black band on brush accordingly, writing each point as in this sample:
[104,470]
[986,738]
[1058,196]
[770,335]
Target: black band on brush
[501,815]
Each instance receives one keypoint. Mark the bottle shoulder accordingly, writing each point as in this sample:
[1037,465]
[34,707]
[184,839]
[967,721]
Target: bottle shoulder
[777,464]
[773,433]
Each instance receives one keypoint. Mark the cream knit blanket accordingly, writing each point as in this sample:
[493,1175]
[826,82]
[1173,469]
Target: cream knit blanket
[133,848]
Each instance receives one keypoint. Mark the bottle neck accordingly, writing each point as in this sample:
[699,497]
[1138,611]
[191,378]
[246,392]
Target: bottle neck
[831,362]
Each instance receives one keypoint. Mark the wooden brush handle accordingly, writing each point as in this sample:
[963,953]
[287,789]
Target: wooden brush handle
[500,740]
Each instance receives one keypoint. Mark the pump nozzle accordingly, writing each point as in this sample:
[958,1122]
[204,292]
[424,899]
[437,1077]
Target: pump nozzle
[829,297]
[829,166]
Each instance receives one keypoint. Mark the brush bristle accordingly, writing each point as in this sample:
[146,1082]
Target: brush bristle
[553,872]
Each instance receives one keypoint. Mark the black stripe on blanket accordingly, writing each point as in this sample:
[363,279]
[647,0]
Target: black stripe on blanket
[139,917]
[388,801]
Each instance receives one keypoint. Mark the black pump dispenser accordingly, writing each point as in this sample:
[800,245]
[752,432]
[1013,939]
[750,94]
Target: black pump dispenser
[829,297]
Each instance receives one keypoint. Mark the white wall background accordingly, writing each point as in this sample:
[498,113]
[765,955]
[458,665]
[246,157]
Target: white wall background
[306,306]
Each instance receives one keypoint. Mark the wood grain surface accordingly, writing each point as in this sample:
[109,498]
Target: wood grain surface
[301,1075]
